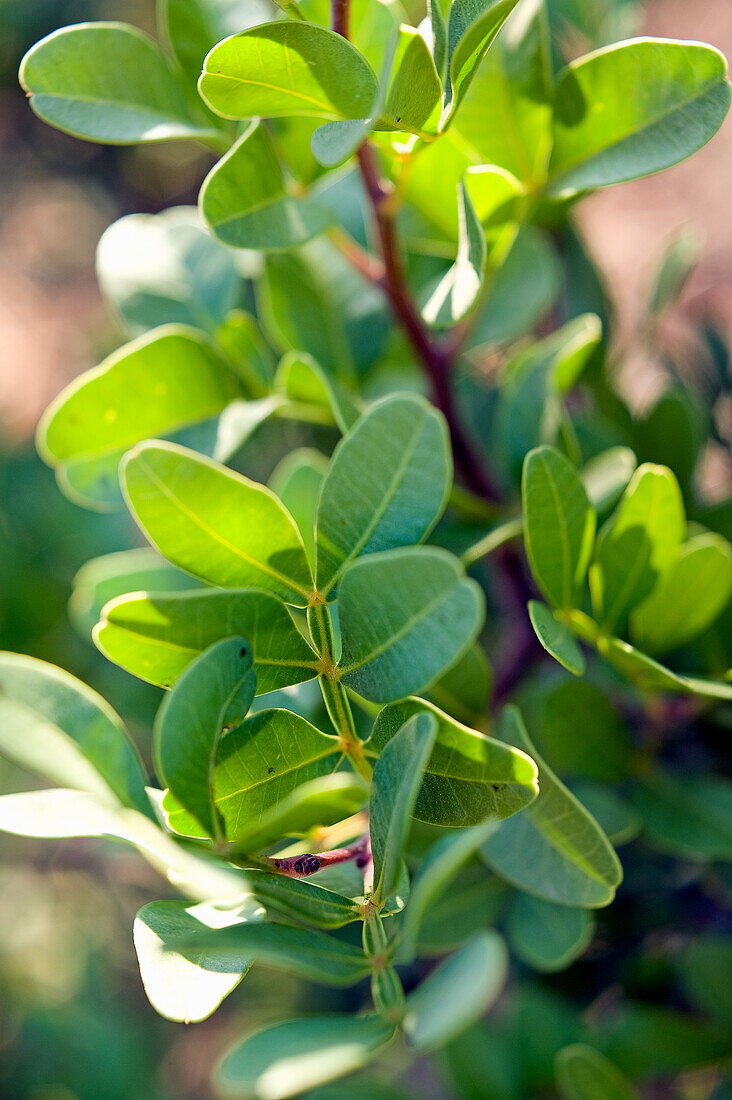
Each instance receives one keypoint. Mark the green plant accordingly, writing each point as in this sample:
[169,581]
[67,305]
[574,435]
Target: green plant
[288,819]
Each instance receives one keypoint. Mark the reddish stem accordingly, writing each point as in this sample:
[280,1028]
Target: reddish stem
[310,863]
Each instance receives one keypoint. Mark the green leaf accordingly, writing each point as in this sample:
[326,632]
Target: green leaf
[238,423]
[156,636]
[556,637]
[688,598]
[546,936]
[286,1058]
[600,749]
[472,26]
[242,342]
[103,579]
[156,385]
[457,993]
[185,986]
[681,255]
[607,475]
[158,269]
[303,380]
[617,819]
[584,1074]
[211,696]
[463,691]
[53,724]
[315,803]
[410,641]
[554,849]
[306,300]
[396,781]
[436,873]
[559,525]
[458,290]
[63,813]
[72,77]
[469,777]
[649,675]
[215,524]
[438,28]
[516,78]
[634,108]
[704,967]
[648,1041]
[371,23]
[415,90]
[690,817]
[637,545]
[287,68]
[244,200]
[386,486]
[303,901]
[297,481]
[193,27]
[473,903]
[262,762]
[309,954]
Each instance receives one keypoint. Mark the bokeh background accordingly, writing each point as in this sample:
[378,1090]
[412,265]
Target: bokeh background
[74,1021]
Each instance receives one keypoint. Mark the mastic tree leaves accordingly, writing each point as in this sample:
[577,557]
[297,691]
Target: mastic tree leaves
[214,523]
[615,120]
[403,527]
[287,68]
[109,82]
[156,636]
[386,486]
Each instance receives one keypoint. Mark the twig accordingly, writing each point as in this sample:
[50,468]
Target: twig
[309,863]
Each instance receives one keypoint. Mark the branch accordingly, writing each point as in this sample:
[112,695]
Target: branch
[309,863]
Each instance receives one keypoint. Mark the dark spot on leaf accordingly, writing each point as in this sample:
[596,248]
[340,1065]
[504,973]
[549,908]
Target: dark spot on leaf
[270,771]
[243,651]
[497,786]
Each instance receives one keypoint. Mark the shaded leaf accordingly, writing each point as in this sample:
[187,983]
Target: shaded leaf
[556,637]
[303,901]
[457,993]
[546,936]
[396,780]
[584,1074]
[634,108]
[386,486]
[471,28]
[554,849]
[559,525]
[394,642]
[245,202]
[213,694]
[286,1058]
